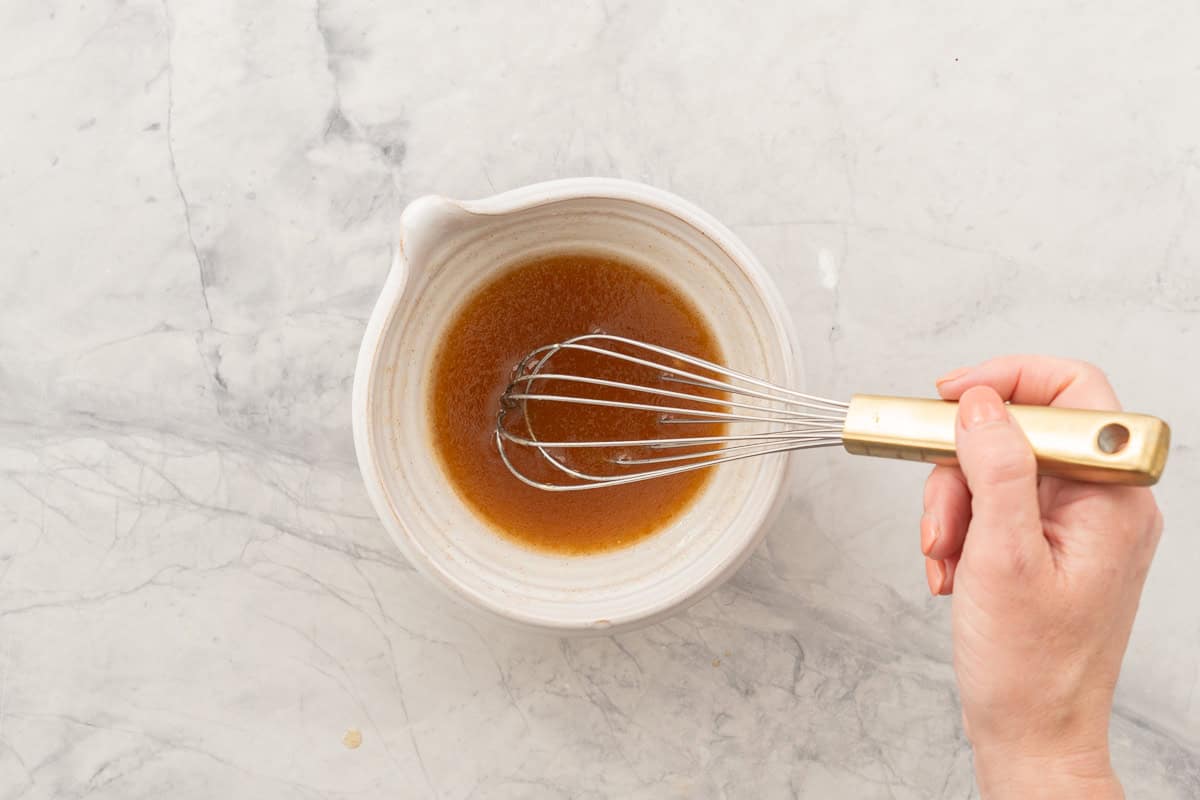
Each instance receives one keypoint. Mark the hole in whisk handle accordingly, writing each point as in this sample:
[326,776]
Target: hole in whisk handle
[1112,438]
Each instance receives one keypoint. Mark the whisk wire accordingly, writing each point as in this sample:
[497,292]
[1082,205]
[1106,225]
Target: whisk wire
[549,376]
[772,392]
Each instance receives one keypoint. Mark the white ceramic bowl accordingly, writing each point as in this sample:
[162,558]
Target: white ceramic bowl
[449,248]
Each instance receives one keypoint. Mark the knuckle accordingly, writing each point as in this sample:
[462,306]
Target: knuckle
[930,489]
[1092,373]
[935,484]
[1156,526]
[1137,523]
[1145,519]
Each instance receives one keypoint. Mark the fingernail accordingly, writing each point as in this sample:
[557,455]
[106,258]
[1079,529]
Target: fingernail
[935,575]
[953,375]
[929,532]
[981,408]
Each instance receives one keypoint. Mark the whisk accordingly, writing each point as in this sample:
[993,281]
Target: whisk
[745,417]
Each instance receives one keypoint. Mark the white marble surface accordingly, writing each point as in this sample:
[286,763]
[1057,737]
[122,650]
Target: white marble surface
[197,206]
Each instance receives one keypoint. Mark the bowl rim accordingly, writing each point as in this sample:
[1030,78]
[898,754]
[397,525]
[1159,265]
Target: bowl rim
[390,301]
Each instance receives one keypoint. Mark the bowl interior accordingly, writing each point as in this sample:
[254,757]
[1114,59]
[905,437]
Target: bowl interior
[444,537]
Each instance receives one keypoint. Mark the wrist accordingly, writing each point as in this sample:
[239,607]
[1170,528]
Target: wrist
[1006,773]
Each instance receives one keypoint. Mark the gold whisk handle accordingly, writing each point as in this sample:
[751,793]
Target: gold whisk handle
[1084,445]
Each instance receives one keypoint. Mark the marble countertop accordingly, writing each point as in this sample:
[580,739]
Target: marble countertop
[198,203]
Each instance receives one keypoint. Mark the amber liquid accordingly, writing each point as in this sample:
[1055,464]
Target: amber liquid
[542,302]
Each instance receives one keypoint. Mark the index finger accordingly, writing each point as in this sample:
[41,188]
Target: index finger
[1036,380]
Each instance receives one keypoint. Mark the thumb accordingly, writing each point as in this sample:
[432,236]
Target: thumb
[1001,472]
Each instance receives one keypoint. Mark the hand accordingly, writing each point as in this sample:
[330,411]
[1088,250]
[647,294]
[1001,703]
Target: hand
[1046,576]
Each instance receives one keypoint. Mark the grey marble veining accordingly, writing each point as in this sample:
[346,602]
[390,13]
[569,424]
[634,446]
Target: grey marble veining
[198,204]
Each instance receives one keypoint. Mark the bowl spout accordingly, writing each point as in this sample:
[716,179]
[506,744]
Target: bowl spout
[428,223]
